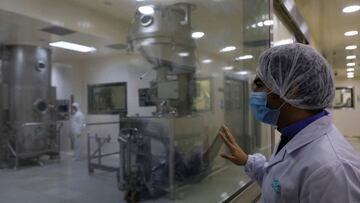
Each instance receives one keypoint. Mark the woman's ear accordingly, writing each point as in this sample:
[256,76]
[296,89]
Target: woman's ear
[274,100]
[273,96]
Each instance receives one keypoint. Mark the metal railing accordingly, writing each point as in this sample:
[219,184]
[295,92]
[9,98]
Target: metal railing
[95,157]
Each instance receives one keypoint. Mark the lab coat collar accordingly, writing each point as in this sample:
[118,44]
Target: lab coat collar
[277,158]
[310,133]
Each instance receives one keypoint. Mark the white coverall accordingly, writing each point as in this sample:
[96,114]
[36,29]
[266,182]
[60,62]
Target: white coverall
[317,165]
[77,126]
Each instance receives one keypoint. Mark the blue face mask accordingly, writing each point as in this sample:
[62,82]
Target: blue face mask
[258,101]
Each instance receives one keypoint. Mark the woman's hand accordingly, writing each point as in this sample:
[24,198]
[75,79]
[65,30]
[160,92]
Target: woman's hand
[237,155]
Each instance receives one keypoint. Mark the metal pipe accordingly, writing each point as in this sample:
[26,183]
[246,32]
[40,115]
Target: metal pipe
[38,123]
[88,151]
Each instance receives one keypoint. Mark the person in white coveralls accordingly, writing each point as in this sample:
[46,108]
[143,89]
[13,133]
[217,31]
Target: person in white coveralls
[77,127]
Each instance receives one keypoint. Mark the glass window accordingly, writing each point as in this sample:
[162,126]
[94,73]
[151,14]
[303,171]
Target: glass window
[156,80]
[344,97]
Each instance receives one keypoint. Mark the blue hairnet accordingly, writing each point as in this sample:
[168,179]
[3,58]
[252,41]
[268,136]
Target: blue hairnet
[298,74]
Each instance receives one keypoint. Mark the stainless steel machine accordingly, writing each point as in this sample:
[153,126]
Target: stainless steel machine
[164,40]
[162,152]
[27,108]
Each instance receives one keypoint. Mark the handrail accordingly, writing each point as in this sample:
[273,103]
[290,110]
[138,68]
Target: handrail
[103,123]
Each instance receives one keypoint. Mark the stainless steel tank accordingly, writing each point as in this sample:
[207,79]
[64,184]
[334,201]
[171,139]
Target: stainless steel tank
[28,101]
[164,39]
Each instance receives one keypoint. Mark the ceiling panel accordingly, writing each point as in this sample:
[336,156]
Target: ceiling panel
[328,24]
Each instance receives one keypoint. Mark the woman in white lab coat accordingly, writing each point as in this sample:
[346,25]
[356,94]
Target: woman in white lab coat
[313,162]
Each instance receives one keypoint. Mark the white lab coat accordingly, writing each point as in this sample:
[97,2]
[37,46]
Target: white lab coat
[317,165]
[77,126]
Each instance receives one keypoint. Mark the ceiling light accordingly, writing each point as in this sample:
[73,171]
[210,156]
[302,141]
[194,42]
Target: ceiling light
[351,57]
[228,68]
[350,64]
[283,42]
[350,76]
[350,47]
[253,25]
[139,0]
[72,46]
[146,10]
[268,22]
[350,9]
[229,48]
[244,57]
[350,73]
[351,33]
[206,61]
[350,69]
[197,35]
[242,72]
[260,24]
[184,54]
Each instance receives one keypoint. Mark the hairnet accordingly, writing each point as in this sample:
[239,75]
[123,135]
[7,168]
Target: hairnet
[298,74]
[77,105]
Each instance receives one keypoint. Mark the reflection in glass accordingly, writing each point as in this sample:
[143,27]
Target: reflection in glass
[344,97]
[170,89]
[174,153]
[203,99]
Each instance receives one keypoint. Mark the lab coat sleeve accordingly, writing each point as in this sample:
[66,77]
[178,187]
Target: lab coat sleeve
[333,183]
[255,167]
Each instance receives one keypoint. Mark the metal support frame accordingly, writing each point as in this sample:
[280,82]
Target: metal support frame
[130,139]
[17,156]
[97,153]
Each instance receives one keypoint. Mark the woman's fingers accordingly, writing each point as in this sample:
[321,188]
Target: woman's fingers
[228,157]
[226,140]
[225,135]
[228,134]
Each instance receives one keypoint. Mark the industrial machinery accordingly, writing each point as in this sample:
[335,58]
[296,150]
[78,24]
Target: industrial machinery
[164,151]
[27,107]
[164,40]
